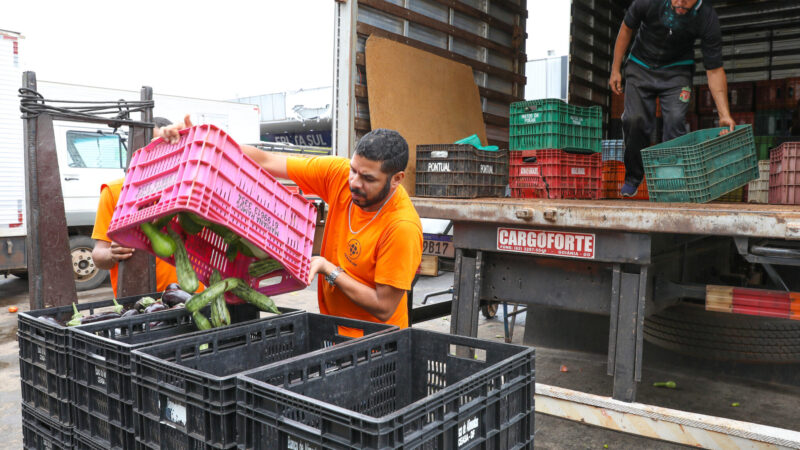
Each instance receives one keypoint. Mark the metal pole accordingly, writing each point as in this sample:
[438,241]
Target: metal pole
[51,279]
[137,275]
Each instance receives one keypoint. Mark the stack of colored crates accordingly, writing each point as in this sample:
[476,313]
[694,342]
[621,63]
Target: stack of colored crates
[784,174]
[613,150]
[549,142]
[554,174]
[614,177]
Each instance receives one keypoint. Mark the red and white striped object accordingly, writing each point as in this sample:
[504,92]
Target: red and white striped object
[753,302]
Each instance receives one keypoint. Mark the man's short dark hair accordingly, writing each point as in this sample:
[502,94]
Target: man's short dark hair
[161,122]
[385,146]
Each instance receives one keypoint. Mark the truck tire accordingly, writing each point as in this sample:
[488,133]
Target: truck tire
[691,330]
[87,275]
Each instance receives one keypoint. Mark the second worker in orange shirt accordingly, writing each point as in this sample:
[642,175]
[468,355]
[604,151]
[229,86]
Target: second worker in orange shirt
[372,245]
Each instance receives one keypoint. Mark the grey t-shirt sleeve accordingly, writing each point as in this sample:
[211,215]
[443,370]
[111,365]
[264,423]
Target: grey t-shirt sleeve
[636,13]
[711,42]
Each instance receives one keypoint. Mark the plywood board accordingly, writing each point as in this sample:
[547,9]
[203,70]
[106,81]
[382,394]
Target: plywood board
[427,98]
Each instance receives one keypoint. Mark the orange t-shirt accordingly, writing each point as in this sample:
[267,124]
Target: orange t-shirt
[387,251]
[109,194]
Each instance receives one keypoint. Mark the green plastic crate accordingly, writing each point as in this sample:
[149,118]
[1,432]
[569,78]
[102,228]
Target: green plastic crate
[700,166]
[763,145]
[554,124]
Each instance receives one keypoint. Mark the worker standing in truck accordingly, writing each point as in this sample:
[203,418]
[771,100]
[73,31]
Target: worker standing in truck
[660,65]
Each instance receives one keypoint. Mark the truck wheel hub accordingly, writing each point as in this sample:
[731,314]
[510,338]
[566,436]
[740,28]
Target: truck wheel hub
[82,263]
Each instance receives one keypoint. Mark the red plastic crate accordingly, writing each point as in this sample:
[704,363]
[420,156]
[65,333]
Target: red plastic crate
[770,94]
[740,98]
[784,174]
[568,175]
[614,177]
[207,174]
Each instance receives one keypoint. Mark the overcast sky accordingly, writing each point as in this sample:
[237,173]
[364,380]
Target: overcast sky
[205,49]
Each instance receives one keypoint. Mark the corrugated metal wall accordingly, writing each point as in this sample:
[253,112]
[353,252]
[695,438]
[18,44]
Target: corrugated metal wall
[487,35]
[761,41]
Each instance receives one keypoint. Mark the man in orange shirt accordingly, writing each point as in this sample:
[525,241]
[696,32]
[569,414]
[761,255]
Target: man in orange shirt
[372,244]
[106,253]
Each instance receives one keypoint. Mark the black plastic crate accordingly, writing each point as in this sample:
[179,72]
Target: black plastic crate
[460,171]
[81,442]
[44,361]
[186,396]
[408,389]
[38,432]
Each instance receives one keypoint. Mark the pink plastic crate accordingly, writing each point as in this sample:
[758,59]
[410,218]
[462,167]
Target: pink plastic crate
[784,174]
[207,174]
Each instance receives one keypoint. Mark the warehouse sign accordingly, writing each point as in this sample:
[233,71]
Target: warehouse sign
[540,242]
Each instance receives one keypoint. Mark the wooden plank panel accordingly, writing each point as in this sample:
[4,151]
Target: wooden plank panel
[427,98]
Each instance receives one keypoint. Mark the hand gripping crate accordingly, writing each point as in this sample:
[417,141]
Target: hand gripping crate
[460,171]
[758,190]
[407,389]
[102,389]
[784,174]
[186,397]
[554,124]
[555,174]
[44,357]
[207,174]
[700,166]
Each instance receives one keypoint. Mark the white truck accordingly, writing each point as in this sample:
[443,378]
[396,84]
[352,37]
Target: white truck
[88,156]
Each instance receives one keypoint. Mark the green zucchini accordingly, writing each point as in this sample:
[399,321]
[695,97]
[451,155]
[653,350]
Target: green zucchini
[263,267]
[200,321]
[219,310]
[188,223]
[215,316]
[187,278]
[162,222]
[199,301]
[162,244]
[255,298]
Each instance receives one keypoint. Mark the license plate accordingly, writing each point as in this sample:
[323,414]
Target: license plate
[438,245]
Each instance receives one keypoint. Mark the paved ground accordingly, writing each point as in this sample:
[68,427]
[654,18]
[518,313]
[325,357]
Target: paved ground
[700,389]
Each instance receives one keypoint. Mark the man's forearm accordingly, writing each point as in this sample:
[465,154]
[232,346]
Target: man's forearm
[361,294]
[101,256]
[718,85]
[274,163]
[621,46]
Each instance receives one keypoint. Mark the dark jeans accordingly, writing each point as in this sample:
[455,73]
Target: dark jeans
[642,87]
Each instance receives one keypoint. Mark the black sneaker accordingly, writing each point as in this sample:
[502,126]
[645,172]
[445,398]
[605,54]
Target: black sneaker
[628,190]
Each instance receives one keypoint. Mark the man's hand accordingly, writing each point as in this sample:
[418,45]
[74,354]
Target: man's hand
[171,133]
[319,265]
[120,253]
[727,122]
[615,82]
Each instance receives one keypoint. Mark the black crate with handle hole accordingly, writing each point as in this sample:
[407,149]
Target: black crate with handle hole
[44,355]
[39,432]
[186,389]
[102,390]
[460,171]
[408,389]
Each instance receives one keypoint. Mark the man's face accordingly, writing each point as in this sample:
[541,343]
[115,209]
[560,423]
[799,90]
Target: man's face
[682,7]
[369,186]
